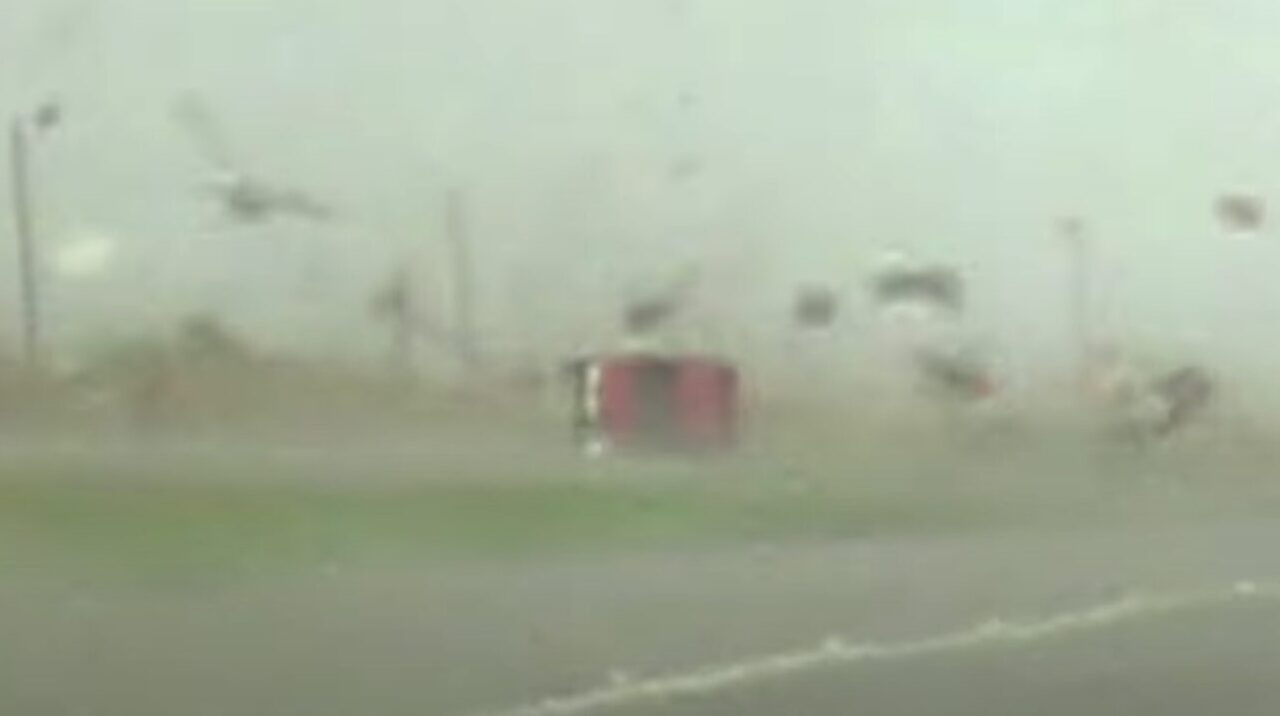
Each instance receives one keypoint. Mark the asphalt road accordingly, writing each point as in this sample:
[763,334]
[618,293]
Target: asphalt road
[1219,660]
[411,639]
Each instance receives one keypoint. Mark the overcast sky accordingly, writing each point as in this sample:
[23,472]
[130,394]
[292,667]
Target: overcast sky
[824,132]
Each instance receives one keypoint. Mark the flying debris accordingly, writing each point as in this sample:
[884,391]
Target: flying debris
[1185,393]
[1241,212]
[47,116]
[651,312]
[249,200]
[245,197]
[955,374]
[815,307]
[939,287]
[1141,409]
[645,315]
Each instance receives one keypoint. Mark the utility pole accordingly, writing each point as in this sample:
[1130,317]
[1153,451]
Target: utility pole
[458,232]
[21,131]
[23,231]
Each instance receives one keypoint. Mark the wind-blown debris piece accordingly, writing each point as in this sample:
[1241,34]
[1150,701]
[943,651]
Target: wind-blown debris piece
[955,374]
[1241,212]
[47,116]
[938,286]
[816,307]
[652,312]
[1186,392]
[245,197]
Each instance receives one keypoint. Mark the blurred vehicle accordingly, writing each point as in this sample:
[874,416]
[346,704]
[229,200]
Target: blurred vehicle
[650,401]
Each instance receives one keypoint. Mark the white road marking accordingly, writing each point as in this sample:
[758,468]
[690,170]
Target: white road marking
[835,650]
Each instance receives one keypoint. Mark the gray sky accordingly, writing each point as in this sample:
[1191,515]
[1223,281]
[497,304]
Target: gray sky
[828,130]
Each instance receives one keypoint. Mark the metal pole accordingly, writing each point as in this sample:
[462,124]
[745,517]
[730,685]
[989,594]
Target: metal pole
[463,279]
[24,232]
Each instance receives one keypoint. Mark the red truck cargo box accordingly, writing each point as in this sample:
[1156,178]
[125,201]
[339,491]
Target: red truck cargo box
[655,402]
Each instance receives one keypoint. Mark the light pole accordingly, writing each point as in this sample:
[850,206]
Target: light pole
[21,130]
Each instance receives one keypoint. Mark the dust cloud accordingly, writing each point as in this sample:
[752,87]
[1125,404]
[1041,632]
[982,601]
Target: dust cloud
[443,357]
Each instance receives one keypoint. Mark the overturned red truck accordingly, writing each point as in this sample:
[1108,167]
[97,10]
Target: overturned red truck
[651,401]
